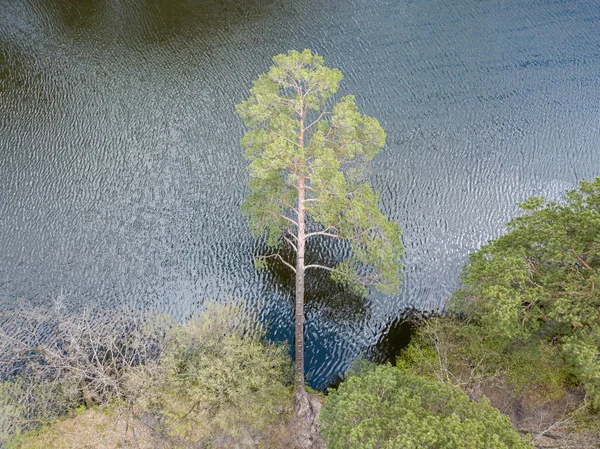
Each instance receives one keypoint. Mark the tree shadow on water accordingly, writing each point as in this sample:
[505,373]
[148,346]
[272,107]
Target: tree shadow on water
[330,300]
[396,335]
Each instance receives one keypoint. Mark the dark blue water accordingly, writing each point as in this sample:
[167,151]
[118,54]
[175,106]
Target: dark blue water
[121,172]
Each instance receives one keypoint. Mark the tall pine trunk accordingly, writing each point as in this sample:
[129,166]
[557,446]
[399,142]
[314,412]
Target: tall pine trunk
[299,389]
[299,318]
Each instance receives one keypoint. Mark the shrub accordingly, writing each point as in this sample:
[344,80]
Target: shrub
[215,381]
[454,350]
[538,285]
[388,408]
[52,360]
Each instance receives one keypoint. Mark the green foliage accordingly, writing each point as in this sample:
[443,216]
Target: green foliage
[384,407]
[215,379]
[539,284]
[295,143]
[27,402]
[456,351]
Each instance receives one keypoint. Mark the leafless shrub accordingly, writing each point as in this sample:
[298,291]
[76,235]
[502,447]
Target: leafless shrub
[53,359]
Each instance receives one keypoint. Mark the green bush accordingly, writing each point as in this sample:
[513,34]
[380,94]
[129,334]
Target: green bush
[27,402]
[385,407]
[539,285]
[216,380]
[458,351]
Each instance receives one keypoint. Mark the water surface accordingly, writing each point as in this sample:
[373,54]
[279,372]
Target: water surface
[121,173]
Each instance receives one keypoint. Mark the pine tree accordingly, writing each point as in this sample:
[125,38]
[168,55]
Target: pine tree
[307,167]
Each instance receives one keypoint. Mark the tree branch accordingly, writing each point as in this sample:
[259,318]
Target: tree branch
[290,207]
[290,266]
[314,265]
[579,259]
[290,243]
[286,139]
[317,120]
[291,234]
[325,233]
[289,219]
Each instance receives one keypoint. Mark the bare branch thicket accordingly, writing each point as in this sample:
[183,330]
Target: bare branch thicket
[54,358]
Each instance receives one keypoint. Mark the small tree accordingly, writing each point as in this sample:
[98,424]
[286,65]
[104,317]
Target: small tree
[538,284]
[307,170]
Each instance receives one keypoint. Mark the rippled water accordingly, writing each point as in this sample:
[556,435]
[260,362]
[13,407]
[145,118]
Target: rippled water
[121,172]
